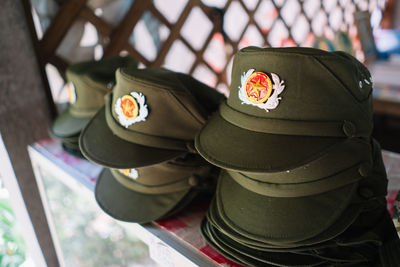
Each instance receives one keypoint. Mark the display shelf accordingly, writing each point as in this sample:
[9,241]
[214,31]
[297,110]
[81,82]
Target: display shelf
[173,242]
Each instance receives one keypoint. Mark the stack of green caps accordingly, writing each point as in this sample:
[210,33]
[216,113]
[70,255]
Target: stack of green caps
[88,82]
[303,183]
[144,137]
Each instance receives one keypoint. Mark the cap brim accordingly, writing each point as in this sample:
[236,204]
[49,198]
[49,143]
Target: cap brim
[249,256]
[230,147]
[68,126]
[321,240]
[282,220]
[127,205]
[100,145]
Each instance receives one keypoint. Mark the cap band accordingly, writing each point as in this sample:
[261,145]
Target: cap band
[336,158]
[141,138]
[289,127]
[176,186]
[326,184]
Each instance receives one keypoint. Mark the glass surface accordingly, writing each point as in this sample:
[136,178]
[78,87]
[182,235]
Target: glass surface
[13,250]
[86,235]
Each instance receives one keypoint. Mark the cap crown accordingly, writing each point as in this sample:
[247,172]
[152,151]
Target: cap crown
[175,106]
[318,86]
[92,80]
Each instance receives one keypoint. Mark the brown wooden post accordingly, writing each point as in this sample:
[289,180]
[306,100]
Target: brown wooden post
[59,26]
[24,112]
[120,35]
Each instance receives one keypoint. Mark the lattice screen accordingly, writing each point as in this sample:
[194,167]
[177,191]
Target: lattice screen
[195,37]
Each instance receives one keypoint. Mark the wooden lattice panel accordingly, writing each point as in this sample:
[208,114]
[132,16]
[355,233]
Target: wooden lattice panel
[200,39]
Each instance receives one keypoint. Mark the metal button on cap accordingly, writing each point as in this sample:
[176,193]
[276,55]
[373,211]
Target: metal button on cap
[365,192]
[364,169]
[349,129]
[193,181]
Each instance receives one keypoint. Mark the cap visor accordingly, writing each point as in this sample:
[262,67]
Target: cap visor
[249,255]
[100,145]
[66,125]
[230,147]
[127,205]
[282,220]
[320,241]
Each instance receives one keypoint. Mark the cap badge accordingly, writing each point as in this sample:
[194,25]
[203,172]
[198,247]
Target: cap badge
[131,109]
[256,89]
[71,92]
[131,173]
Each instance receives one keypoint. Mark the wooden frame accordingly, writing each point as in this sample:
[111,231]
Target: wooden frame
[119,36]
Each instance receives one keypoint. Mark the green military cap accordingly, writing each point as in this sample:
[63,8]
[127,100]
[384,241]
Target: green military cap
[253,210]
[71,148]
[370,239]
[242,255]
[88,82]
[153,192]
[286,107]
[151,116]
[366,239]
[349,253]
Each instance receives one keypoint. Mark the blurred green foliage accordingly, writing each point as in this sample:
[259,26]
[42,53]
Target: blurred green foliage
[12,245]
[88,237]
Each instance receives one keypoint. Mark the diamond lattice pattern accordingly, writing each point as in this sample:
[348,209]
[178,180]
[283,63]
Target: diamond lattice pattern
[201,37]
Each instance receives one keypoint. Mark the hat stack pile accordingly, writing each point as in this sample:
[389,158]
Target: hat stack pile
[303,182]
[88,82]
[144,137]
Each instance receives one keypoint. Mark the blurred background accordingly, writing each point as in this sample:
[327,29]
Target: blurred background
[196,37]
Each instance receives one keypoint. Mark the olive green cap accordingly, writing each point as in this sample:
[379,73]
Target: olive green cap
[72,148]
[371,239]
[151,116]
[149,193]
[277,214]
[88,82]
[345,220]
[286,106]
[349,253]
